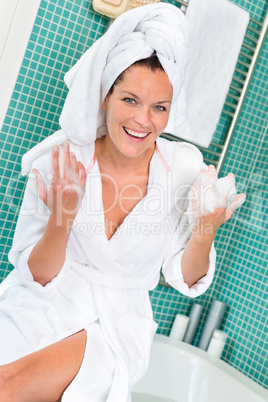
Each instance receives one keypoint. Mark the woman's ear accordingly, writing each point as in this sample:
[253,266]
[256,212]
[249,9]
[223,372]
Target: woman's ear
[104,104]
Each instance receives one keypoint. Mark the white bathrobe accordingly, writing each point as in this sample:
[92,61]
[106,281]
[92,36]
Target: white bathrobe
[103,285]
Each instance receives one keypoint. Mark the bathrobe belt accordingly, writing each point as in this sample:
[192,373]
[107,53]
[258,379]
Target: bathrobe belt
[116,281]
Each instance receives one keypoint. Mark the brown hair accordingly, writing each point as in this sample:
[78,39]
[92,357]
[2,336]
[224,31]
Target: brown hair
[152,63]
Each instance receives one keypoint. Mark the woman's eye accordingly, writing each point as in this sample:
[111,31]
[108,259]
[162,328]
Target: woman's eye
[129,100]
[161,108]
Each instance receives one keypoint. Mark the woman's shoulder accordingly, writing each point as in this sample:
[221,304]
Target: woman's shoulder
[39,157]
[172,150]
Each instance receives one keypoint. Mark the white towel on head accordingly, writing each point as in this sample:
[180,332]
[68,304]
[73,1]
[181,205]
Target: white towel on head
[134,35]
[217,29]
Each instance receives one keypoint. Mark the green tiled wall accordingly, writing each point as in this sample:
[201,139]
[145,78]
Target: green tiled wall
[62,32]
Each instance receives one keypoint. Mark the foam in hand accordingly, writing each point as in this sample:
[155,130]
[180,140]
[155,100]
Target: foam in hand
[210,193]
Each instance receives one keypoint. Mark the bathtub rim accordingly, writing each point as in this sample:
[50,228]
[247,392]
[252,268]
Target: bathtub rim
[216,362]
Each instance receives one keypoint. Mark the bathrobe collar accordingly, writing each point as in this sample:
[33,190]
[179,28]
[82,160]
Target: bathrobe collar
[168,181]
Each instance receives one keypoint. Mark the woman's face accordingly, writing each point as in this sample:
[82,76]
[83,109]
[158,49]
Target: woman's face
[137,110]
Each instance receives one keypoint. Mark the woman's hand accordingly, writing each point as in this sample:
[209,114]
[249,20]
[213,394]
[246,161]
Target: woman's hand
[205,228]
[65,193]
[63,198]
[212,202]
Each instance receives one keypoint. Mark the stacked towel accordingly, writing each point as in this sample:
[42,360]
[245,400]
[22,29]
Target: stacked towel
[136,34]
[217,29]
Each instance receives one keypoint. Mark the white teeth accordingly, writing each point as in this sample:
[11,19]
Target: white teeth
[135,133]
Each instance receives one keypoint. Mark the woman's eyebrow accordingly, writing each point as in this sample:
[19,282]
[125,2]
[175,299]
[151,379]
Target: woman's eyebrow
[164,101]
[130,94]
[135,96]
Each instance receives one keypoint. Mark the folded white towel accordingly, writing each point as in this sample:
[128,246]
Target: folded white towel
[134,35]
[217,29]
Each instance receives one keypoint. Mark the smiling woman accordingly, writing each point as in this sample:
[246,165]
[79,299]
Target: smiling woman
[138,107]
[75,311]
[137,110]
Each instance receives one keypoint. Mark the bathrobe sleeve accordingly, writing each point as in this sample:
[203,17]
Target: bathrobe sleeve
[171,266]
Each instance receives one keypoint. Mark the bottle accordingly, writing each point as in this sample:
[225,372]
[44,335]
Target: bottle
[179,327]
[213,321]
[194,318]
[217,343]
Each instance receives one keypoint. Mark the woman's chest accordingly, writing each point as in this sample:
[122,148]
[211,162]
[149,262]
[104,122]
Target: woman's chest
[119,198]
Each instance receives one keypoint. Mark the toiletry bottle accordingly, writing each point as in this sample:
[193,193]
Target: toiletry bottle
[194,317]
[217,343]
[213,321]
[179,327]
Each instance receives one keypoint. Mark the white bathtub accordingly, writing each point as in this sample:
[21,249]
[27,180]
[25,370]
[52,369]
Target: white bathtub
[179,372]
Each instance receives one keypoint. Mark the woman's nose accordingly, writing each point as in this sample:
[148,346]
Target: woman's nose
[143,117]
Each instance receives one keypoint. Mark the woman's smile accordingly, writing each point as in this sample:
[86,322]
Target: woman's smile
[136,134]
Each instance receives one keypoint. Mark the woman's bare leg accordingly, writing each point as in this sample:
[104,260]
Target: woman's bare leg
[43,376]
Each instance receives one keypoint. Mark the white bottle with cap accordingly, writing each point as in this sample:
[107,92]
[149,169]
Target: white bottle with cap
[179,327]
[217,343]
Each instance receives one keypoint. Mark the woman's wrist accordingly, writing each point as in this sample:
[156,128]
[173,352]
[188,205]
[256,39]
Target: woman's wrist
[203,238]
[61,224]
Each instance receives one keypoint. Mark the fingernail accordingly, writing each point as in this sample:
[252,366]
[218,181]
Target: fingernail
[55,148]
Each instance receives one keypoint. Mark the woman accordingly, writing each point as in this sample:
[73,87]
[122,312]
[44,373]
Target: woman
[76,308]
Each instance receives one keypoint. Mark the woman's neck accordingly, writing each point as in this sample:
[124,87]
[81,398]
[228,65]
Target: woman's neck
[111,159]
